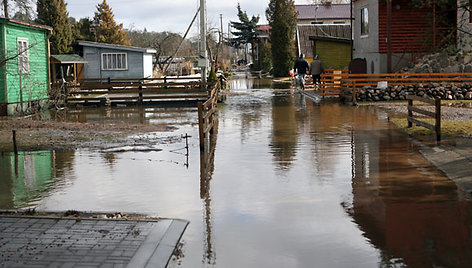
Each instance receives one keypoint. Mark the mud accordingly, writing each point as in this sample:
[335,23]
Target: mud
[47,135]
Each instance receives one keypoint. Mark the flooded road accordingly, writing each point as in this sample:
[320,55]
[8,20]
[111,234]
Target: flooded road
[288,183]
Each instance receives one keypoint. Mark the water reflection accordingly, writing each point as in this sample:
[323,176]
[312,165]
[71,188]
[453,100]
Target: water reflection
[26,177]
[417,218]
[290,183]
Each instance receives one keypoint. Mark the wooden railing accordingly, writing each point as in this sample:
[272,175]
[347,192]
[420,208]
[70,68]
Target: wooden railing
[415,109]
[207,116]
[138,90]
[331,81]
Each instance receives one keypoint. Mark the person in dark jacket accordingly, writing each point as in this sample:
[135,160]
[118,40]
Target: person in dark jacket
[316,69]
[301,68]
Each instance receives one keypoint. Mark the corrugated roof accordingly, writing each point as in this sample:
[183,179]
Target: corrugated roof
[113,46]
[306,32]
[68,58]
[333,11]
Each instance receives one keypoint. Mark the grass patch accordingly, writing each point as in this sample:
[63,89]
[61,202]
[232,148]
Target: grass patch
[448,128]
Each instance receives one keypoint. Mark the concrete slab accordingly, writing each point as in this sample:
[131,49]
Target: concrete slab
[456,163]
[68,242]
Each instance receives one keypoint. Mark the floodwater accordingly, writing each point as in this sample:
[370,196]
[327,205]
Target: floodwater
[286,183]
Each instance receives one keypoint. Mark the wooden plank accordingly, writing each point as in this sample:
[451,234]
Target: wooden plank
[421,111]
[422,99]
[421,123]
[200,126]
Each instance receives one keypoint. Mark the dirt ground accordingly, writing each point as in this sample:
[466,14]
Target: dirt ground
[39,135]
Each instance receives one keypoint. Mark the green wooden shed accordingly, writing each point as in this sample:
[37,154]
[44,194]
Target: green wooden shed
[24,66]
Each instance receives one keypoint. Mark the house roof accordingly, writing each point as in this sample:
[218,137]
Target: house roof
[68,58]
[12,21]
[308,32]
[113,46]
[333,11]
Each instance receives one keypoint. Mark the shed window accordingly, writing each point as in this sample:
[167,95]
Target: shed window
[364,21]
[114,61]
[23,60]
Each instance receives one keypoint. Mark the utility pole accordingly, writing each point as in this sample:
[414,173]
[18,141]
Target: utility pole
[389,36]
[203,55]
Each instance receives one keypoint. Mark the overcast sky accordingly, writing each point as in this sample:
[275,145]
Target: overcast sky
[170,15]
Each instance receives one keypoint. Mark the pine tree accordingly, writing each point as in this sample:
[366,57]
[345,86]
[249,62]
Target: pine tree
[105,28]
[54,13]
[245,30]
[282,17]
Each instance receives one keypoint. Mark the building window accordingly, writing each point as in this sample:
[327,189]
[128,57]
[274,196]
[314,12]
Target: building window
[114,61]
[364,21]
[316,22]
[339,22]
[23,59]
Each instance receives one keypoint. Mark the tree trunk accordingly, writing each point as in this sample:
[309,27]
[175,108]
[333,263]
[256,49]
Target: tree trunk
[5,8]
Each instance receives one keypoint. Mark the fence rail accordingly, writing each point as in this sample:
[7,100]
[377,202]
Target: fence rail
[332,80]
[436,114]
[138,90]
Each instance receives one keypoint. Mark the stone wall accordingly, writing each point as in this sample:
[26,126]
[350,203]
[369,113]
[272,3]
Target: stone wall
[433,90]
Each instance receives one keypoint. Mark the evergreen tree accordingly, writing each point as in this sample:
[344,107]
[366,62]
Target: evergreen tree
[282,17]
[105,28]
[245,30]
[82,29]
[54,13]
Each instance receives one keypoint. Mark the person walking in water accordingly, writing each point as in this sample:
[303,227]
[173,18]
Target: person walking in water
[316,69]
[301,68]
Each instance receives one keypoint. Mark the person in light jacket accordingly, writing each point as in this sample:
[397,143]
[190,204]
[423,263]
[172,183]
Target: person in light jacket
[316,69]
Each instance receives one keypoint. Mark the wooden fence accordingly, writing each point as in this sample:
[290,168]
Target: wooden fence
[331,80]
[397,79]
[105,90]
[415,109]
[207,119]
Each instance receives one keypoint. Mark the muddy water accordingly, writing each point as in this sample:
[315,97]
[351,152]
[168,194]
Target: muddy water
[288,183]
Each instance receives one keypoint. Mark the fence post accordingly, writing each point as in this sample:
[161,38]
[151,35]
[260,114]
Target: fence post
[140,98]
[201,126]
[437,103]
[15,148]
[410,113]
[354,93]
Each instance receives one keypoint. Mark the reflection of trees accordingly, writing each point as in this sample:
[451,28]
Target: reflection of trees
[408,210]
[284,131]
[207,158]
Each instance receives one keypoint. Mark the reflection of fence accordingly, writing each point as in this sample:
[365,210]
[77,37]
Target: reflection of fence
[106,90]
[207,116]
[436,114]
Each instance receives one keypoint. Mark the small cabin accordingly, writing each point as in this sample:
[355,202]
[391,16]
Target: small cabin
[24,79]
[116,61]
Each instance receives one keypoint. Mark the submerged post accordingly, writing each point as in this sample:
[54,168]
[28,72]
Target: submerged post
[15,148]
